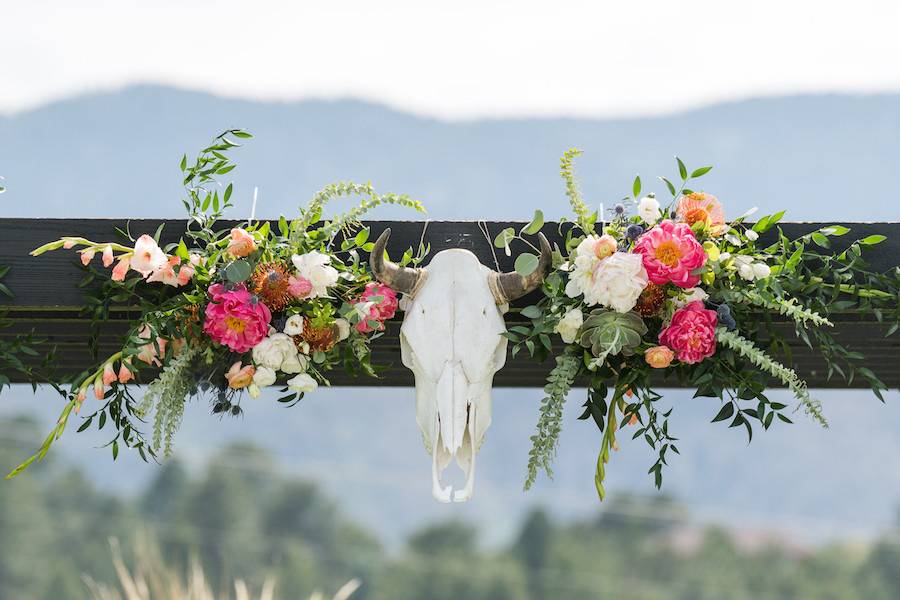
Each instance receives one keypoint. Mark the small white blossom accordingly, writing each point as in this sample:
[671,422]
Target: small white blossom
[648,209]
[302,383]
[761,270]
[294,325]
[569,325]
[746,272]
[690,295]
[751,235]
[343,327]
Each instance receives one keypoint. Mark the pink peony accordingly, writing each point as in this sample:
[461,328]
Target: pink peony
[377,311]
[691,333]
[671,252]
[235,318]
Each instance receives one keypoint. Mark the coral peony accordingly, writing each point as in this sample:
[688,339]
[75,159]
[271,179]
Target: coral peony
[241,244]
[671,252]
[236,319]
[377,311]
[691,333]
[699,207]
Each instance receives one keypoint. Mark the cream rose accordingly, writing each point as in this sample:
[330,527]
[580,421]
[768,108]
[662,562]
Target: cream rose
[302,383]
[617,282]
[275,351]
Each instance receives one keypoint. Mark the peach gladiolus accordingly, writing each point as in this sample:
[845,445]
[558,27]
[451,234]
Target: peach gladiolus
[86,256]
[121,269]
[240,377]
[659,357]
[109,374]
[241,244]
[108,257]
[99,389]
[147,256]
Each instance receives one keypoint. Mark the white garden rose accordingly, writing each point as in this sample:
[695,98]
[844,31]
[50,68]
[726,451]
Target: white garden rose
[264,376]
[294,325]
[618,282]
[295,363]
[273,351]
[648,209]
[569,325]
[315,267]
[302,383]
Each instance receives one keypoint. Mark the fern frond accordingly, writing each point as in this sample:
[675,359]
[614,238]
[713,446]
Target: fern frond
[788,377]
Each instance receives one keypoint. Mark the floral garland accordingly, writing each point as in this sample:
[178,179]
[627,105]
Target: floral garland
[676,291]
[227,311]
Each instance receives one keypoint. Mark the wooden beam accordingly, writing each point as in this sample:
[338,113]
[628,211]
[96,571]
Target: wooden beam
[47,299]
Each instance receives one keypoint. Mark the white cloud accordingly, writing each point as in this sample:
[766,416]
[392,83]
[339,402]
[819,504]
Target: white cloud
[463,59]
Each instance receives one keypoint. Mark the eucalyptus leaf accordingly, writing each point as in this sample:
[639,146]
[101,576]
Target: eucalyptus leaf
[238,271]
[505,237]
[526,263]
[537,221]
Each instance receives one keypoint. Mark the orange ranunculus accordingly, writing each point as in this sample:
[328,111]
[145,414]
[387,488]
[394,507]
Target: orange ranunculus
[659,357]
[241,244]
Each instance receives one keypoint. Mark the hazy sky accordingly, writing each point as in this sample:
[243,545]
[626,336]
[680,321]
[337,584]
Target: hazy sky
[454,59]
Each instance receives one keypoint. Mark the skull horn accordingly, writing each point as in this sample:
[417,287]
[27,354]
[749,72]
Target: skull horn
[507,287]
[401,279]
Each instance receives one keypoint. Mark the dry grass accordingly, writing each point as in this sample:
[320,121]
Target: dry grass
[152,580]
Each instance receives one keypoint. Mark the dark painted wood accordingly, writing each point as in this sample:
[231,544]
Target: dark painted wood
[47,298]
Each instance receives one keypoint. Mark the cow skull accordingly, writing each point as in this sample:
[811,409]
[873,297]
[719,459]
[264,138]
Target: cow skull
[451,340]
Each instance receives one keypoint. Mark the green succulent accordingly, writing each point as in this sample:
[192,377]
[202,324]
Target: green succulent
[608,333]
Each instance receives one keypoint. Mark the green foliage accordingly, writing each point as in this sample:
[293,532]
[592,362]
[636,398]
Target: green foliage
[786,376]
[546,439]
[166,396]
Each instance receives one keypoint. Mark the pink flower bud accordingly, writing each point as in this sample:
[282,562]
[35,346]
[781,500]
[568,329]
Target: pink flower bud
[121,269]
[98,388]
[125,374]
[108,256]
[86,256]
[109,375]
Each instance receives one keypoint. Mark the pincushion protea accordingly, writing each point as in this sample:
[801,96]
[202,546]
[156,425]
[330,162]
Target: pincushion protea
[270,281]
[320,338]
